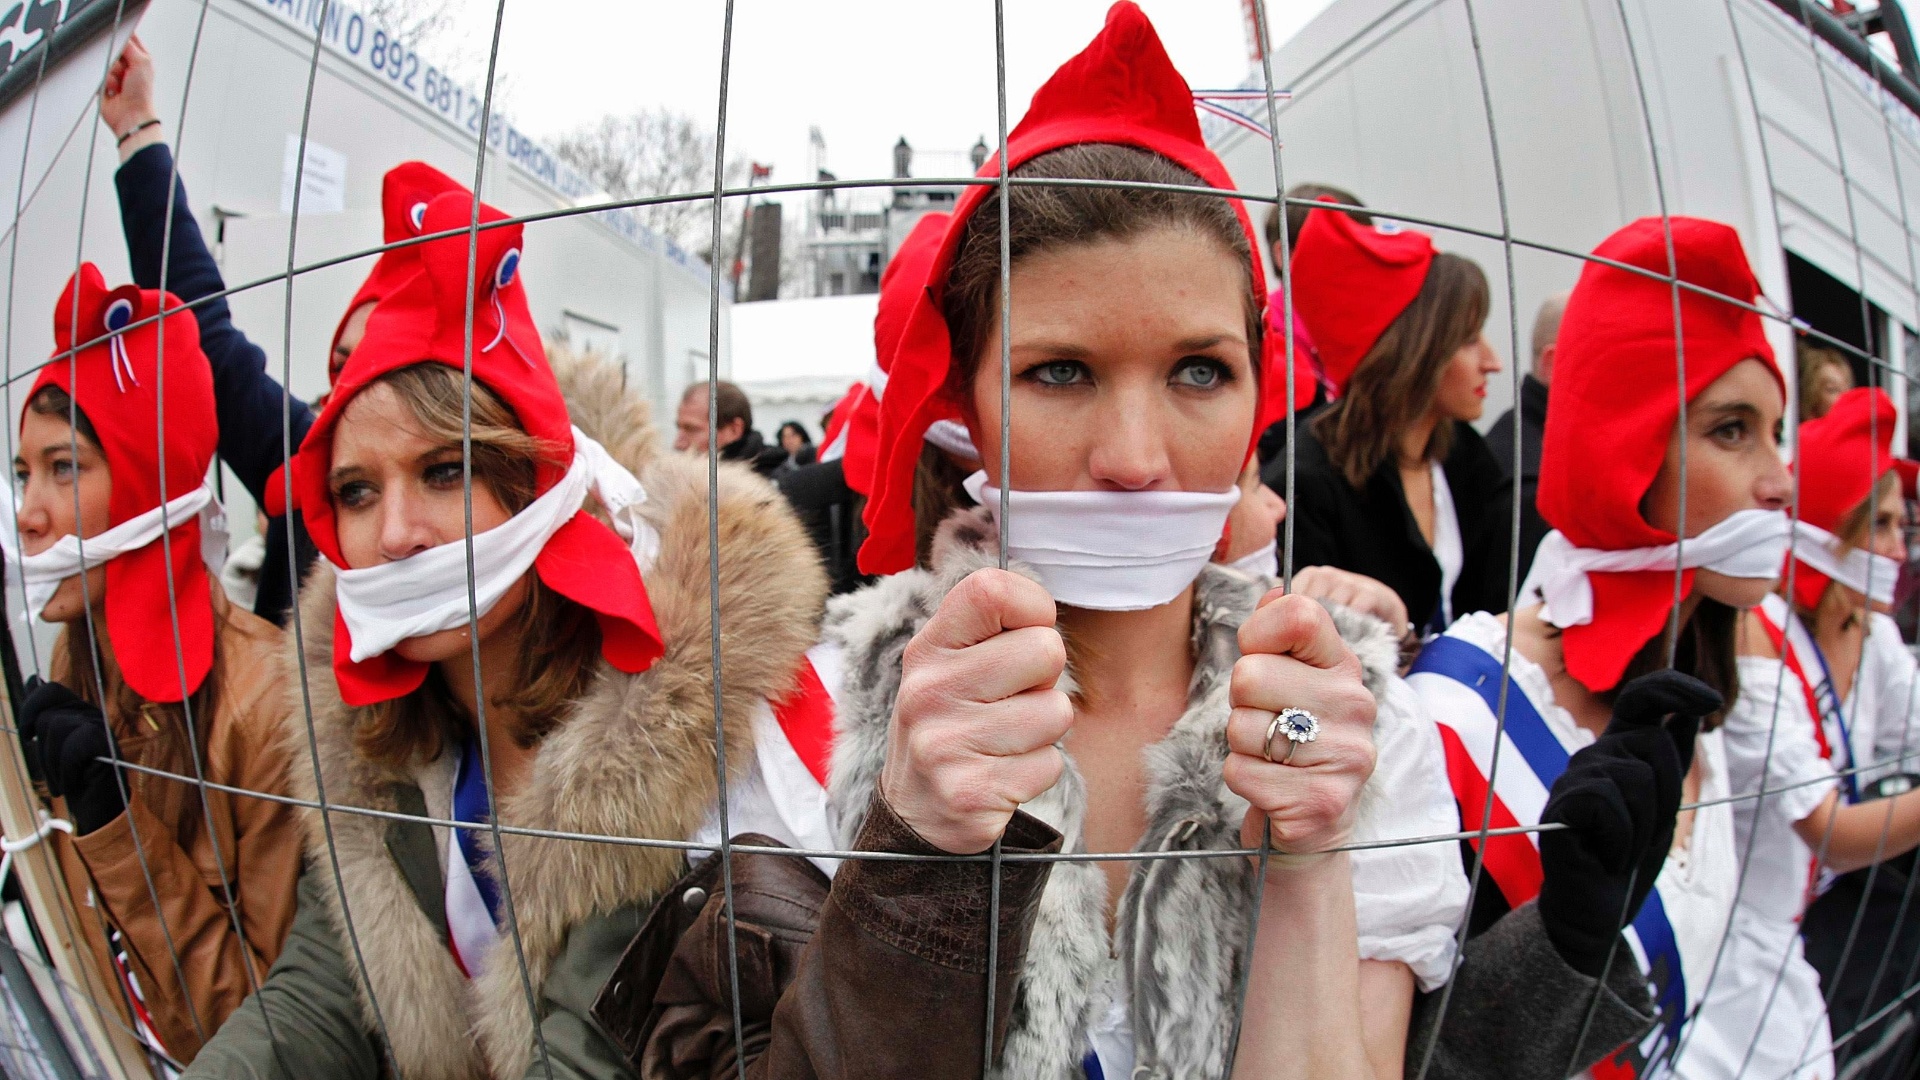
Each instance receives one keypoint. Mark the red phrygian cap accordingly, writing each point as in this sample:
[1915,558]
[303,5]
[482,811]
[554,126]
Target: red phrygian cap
[1612,411]
[901,284]
[1351,281]
[1120,89]
[121,398]
[1839,458]
[423,321]
[404,194]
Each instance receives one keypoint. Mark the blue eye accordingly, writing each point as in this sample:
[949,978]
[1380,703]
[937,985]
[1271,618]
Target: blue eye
[1058,373]
[417,215]
[1201,374]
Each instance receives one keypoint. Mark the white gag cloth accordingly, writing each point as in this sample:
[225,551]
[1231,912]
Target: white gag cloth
[1865,572]
[1111,550]
[44,572]
[427,593]
[1748,544]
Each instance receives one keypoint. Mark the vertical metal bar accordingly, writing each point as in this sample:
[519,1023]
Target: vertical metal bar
[293,555]
[1245,976]
[86,592]
[466,503]
[1003,190]
[713,543]
[166,543]
[1477,875]
[1678,1050]
[60,891]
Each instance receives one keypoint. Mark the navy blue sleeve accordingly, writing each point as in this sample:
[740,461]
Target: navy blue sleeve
[247,399]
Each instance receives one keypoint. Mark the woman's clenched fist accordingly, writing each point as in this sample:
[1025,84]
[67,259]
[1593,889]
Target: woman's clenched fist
[978,713]
[1293,657]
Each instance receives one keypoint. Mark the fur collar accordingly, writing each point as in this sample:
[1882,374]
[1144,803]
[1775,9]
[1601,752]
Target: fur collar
[634,757]
[1181,924]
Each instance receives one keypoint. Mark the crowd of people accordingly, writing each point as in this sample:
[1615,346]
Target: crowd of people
[483,633]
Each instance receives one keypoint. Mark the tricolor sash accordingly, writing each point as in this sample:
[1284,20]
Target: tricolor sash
[472,896]
[1461,683]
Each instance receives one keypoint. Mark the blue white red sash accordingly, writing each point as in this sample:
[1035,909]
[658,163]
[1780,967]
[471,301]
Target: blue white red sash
[472,898]
[1461,684]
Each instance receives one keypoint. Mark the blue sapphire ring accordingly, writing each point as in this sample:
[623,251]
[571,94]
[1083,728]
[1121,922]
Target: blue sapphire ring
[1298,725]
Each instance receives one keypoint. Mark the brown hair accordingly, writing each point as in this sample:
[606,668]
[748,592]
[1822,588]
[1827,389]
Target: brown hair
[1048,218]
[1296,215]
[1708,651]
[1395,383]
[128,713]
[729,402]
[1810,359]
[563,636]
[1855,531]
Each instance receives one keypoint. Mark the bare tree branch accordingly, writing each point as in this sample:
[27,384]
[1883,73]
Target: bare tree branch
[658,152]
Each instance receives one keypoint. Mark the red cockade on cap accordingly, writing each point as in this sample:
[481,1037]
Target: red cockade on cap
[1839,457]
[116,383]
[1123,89]
[1351,281]
[424,321]
[1612,412]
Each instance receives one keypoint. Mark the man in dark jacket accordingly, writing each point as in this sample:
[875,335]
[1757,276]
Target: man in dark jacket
[1533,427]
[259,422]
[732,431]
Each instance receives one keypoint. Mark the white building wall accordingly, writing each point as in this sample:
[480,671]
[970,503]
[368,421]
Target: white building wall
[249,87]
[1387,102]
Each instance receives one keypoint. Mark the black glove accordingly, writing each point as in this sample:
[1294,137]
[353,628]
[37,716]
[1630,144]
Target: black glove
[1618,799]
[65,740]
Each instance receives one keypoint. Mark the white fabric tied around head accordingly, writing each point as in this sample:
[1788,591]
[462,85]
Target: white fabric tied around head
[952,436]
[1747,544]
[43,573]
[1111,550]
[426,593]
[1868,573]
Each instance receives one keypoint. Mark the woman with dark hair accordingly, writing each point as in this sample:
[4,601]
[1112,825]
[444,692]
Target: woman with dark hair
[1392,481]
[1827,714]
[193,887]
[1565,712]
[1112,692]
[555,688]
[793,439]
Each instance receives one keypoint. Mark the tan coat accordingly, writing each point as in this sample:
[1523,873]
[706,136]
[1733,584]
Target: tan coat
[258,857]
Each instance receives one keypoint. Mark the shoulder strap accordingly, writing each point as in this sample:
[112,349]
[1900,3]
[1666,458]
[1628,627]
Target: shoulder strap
[1791,657]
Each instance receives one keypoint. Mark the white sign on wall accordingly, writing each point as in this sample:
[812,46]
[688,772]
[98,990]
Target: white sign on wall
[323,183]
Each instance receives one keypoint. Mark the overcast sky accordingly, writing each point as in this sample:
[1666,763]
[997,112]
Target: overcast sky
[865,72]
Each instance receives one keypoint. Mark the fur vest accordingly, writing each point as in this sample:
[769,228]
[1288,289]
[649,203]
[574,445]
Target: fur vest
[1182,923]
[633,757]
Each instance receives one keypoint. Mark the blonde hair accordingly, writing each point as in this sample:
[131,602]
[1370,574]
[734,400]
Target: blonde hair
[563,636]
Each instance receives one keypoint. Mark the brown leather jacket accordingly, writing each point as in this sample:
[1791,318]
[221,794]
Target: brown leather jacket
[883,975]
[259,850]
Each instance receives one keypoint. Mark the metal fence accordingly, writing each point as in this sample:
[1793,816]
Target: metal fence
[50,1024]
